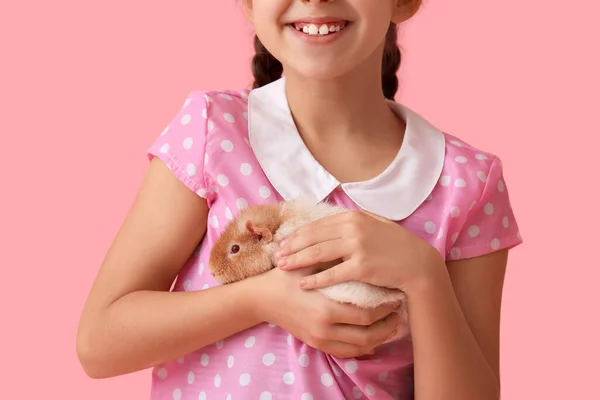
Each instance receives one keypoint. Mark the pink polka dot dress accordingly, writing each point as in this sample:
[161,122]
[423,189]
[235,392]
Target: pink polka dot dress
[236,148]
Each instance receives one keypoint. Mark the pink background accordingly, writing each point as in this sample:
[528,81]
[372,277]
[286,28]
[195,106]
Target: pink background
[86,87]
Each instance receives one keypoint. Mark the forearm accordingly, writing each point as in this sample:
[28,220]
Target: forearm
[145,328]
[449,364]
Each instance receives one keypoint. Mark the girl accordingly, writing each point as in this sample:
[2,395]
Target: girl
[431,217]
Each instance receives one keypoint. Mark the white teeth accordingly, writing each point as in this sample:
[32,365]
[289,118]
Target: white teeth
[314,30]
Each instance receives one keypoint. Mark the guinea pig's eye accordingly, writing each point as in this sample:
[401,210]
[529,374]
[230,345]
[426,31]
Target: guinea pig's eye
[235,248]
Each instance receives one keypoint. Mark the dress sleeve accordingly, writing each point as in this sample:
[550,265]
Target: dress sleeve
[491,224]
[182,145]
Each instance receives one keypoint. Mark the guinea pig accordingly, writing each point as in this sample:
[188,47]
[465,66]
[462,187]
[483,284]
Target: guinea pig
[248,244]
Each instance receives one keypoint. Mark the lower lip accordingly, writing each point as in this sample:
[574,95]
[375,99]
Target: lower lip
[319,39]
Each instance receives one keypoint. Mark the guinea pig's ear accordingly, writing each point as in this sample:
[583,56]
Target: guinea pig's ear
[261,231]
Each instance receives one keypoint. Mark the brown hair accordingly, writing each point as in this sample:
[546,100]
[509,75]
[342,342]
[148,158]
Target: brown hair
[267,69]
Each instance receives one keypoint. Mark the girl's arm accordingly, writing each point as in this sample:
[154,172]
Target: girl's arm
[455,323]
[131,321]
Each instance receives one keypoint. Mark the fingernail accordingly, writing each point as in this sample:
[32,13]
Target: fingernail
[282,263]
[303,282]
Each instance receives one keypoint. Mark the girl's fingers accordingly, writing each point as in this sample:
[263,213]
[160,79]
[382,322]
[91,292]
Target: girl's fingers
[309,236]
[341,272]
[366,337]
[318,253]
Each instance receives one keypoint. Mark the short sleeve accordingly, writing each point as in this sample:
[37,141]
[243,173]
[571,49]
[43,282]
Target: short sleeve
[491,224]
[182,145]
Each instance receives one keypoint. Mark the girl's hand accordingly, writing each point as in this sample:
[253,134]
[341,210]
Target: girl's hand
[342,330]
[372,250]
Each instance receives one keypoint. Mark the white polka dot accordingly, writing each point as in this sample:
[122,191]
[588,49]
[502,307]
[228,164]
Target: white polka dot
[456,143]
[227,146]
[250,342]
[383,376]
[481,175]
[230,361]
[214,221]
[191,377]
[501,185]
[290,339]
[246,169]
[430,197]
[455,253]
[164,131]
[208,98]
[202,192]
[454,212]
[228,397]
[461,159]
[188,143]
[206,158]
[473,231]
[326,379]
[177,394]
[264,192]
[162,373]
[268,359]
[219,344]
[430,227]
[244,379]
[460,183]
[247,141]
[351,367]
[481,157]
[505,222]
[488,209]
[226,96]
[288,378]
[190,169]
[164,148]
[186,119]
[204,359]
[306,396]
[205,286]
[187,284]
[244,95]
[336,370]
[205,113]
[228,213]
[202,396]
[222,180]
[272,325]
[241,203]
[304,360]
[356,392]
[217,380]
[266,396]
[180,360]
[472,205]
[245,114]
[495,244]
[370,389]
[445,180]
[229,118]
[519,236]
[201,269]
[210,125]
[440,233]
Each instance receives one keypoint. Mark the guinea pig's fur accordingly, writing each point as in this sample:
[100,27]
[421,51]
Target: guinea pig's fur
[248,244]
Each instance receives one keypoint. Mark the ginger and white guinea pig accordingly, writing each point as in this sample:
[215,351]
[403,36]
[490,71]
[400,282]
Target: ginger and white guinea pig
[248,244]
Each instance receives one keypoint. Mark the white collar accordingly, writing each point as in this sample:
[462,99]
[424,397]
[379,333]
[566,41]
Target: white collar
[292,170]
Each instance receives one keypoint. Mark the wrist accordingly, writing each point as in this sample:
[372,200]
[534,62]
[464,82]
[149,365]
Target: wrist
[257,301]
[432,276]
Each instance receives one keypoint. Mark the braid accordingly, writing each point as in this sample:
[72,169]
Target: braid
[391,63]
[265,67]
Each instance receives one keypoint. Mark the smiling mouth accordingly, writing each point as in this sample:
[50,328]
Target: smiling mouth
[320,29]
